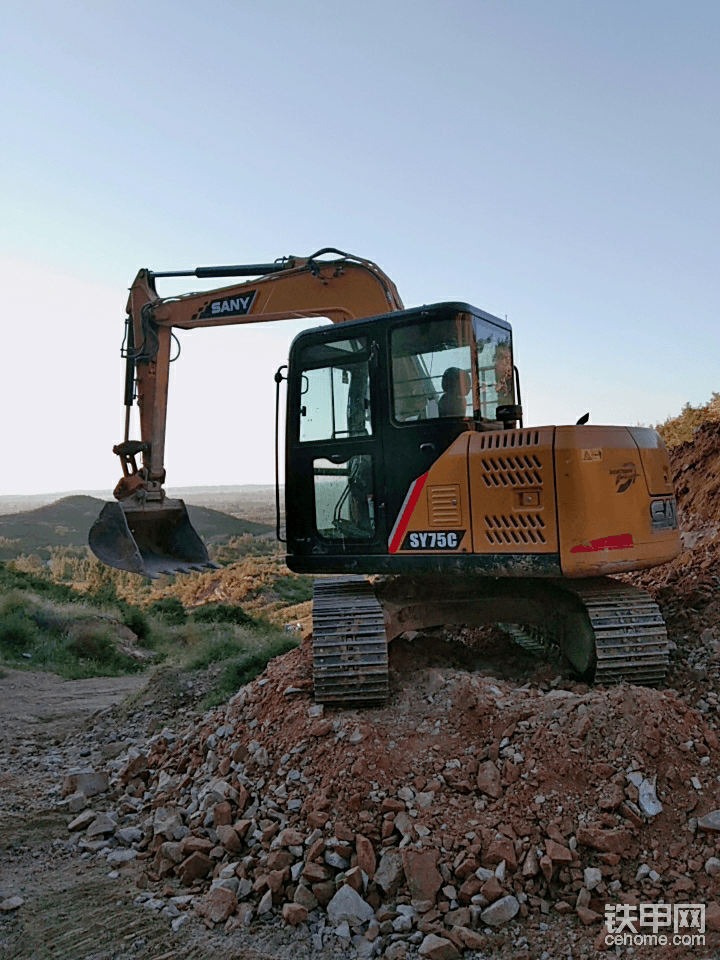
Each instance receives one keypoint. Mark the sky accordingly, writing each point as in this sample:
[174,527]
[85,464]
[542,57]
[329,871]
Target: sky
[554,162]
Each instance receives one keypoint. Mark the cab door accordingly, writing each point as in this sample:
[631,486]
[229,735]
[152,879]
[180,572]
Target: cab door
[334,454]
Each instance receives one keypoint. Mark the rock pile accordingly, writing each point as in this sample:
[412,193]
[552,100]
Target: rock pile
[468,804]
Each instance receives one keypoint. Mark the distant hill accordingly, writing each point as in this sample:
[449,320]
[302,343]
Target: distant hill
[66,523]
[211,524]
[250,501]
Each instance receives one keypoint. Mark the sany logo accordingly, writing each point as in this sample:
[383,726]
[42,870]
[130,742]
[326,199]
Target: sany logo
[235,305]
[229,306]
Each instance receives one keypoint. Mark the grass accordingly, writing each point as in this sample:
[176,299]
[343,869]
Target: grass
[215,649]
[50,626]
[222,613]
[294,588]
[170,610]
[243,669]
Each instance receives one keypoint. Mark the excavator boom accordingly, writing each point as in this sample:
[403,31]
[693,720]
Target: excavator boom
[145,532]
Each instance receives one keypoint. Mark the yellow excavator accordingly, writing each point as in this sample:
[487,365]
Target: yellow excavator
[407,457]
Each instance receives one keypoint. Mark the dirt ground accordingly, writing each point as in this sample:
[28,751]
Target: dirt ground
[33,702]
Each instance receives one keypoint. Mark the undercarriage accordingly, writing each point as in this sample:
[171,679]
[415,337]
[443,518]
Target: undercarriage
[605,631]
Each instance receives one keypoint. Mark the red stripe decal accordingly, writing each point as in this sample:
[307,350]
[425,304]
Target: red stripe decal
[622,542]
[413,495]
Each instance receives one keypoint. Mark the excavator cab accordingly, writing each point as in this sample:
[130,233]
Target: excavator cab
[371,407]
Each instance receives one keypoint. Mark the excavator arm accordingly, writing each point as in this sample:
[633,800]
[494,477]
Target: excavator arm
[146,532]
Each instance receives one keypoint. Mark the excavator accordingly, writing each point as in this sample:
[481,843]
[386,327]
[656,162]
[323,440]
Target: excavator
[407,460]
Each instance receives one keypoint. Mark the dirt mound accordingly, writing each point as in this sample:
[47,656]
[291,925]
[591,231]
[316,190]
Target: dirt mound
[687,587]
[465,790]
[696,477]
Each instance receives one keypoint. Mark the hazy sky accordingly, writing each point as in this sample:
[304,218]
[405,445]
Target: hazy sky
[552,161]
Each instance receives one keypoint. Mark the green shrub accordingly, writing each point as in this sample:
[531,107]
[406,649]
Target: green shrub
[48,621]
[93,641]
[16,602]
[215,651]
[106,594]
[19,580]
[245,669]
[17,632]
[169,609]
[221,613]
[135,620]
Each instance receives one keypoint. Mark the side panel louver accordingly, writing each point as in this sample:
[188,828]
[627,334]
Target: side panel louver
[512,481]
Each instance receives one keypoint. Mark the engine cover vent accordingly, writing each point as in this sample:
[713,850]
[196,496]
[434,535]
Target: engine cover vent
[502,439]
[521,471]
[444,506]
[525,528]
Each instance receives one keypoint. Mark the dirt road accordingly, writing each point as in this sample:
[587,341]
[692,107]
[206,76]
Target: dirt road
[33,702]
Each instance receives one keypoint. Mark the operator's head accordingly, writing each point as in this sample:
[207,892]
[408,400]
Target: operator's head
[456,382]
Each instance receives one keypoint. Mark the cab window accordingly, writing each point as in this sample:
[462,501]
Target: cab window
[495,367]
[344,498]
[432,369]
[335,391]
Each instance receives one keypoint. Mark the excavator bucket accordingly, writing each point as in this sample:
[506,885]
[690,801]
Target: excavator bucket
[149,539]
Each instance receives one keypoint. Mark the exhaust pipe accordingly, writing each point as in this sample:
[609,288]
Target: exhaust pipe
[148,538]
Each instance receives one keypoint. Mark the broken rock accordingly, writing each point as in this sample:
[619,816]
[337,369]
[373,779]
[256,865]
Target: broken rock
[294,914]
[87,782]
[606,841]
[438,948]
[502,911]
[710,822]
[389,874]
[365,856]
[218,905]
[347,904]
[12,903]
[102,826]
[423,876]
[84,820]
[197,866]
[488,780]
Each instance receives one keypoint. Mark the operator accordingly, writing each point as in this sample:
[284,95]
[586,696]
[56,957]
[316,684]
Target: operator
[456,385]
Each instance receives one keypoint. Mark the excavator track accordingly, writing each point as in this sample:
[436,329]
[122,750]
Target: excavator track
[631,641]
[350,656]
[533,640]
